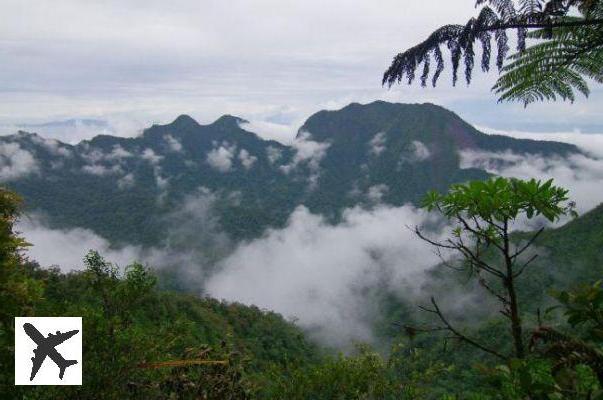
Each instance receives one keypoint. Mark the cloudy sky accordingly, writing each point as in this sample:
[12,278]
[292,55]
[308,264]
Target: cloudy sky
[136,62]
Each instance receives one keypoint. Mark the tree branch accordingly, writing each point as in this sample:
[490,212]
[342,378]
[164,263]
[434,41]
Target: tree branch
[458,335]
[528,244]
[523,267]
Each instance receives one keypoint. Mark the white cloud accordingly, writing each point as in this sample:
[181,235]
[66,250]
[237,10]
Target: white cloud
[173,143]
[151,156]
[192,230]
[421,152]
[161,182]
[317,272]
[591,143]
[377,143]
[102,170]
[75,130]
[66,248]
[92,155]
[581,175]
[417,151]
[376,192]
[118,153]
[220,158]
[274,154]
[247,159]
[284,134]
[96,160]
[16,162]
[307,152]
[126,181]
[55,147]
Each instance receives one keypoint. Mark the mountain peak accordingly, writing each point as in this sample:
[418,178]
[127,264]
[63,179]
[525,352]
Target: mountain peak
[229,121]
[362,121]
[184,121]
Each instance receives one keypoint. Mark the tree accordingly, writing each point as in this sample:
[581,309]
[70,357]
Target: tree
[569,49]
[18,292]
[483,214]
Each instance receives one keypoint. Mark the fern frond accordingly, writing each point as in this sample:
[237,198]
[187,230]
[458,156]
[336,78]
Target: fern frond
[533,74]
[553,69]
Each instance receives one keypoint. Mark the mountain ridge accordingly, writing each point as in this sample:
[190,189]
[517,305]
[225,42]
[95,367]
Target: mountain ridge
[360,155]
[185,122]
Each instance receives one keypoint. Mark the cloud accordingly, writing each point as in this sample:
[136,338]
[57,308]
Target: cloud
[194,241]
[417,151]
[220,158]
[16,162]
[92,155]
[307,152]
[591,143]
[581,175]
[320,273]
[161,182]
[173,143]
[102,170]
[420,151]
[377,143]
[376,192]
[284,134]
[118,153]
[247,159]
[126,181]
[53,146]
[194,224]
[75,130]
[151,156]
[66,248]
[96,160]
[274,154]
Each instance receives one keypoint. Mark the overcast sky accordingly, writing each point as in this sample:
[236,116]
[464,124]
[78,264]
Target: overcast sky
[267,60]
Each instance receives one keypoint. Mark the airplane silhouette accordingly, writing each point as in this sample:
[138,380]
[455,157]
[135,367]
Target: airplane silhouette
[46,347]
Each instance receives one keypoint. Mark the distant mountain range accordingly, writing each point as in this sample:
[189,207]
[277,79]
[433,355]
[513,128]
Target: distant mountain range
[361,155]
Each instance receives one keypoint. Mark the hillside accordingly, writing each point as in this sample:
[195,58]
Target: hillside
[129,324]
[125,189]
[568,255]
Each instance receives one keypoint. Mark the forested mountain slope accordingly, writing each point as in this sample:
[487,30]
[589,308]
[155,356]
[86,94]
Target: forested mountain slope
[123,188]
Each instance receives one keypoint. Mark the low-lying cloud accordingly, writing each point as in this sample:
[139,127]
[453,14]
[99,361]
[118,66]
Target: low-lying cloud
[65,248]
[581,175]
[15,162]
[220,157]
[591,143]
[320,274]
[309,153]
[194,242]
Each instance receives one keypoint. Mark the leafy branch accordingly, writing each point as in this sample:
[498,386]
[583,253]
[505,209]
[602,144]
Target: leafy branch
[572,49]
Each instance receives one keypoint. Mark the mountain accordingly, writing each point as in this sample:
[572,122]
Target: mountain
[69,130]
[125,188]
